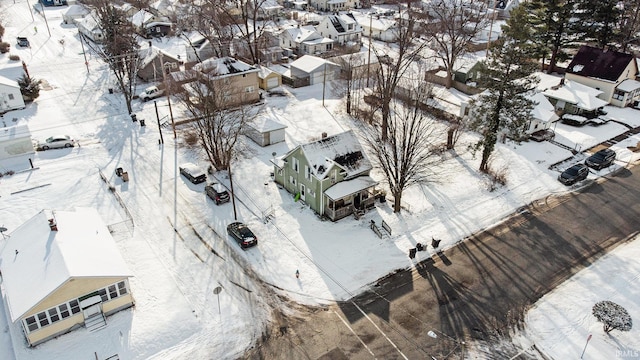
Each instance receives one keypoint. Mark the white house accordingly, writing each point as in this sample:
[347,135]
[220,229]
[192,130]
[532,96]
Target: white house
[62,270]
[544,114]
[380,28]
[317,70]
[342,28]
[575,98]
[89,27]
[304,40]
[10,95]
[74,12]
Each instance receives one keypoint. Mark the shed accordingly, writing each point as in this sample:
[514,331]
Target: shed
[10,95]
[266,131]
[268,79]
[15,139]
[62,270]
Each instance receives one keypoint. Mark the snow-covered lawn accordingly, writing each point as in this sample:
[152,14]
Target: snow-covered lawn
[177,314]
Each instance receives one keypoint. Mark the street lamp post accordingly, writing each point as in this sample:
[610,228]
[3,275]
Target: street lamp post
[217,291]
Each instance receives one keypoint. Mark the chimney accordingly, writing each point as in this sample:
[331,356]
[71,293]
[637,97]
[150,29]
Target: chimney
[324,135]
[150,44]
[52,225]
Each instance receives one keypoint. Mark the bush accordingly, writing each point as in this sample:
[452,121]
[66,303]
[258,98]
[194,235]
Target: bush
[4,47]
[14,57]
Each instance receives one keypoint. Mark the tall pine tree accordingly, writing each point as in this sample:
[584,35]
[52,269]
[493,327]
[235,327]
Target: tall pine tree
[599,21]
[504,108]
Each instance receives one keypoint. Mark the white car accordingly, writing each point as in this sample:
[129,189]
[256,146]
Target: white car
[56,142]
[150,93]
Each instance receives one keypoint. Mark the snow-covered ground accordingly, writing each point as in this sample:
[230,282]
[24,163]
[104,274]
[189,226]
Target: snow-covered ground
[177,315]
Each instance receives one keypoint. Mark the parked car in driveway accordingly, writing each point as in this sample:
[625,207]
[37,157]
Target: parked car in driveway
[572,175]
[242,234]
[542,135]
[601,159]
[151,93]
[193,173]
[22,41]
[55,142]
[217,193]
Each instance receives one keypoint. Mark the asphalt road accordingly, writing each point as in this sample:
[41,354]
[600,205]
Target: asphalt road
[476,291]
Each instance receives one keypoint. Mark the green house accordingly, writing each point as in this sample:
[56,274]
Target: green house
[331,175]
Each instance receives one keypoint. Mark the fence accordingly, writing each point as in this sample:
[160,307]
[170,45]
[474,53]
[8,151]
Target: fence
[375,229]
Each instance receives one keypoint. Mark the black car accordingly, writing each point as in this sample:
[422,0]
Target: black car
[193,173]
[242,235]
[217,193]
[22,41]
[601,159]
[572,175]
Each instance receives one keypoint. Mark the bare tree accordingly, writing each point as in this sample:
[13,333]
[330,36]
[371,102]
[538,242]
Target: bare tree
[629,24]
[217,126]
[207,19]
[612,316]
[451,26]
[120,47]
[393,66]
[352,74]
[406,155]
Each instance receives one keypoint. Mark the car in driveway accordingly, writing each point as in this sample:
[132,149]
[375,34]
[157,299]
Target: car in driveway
[217,193]
[572,175]
[22,41]
[242,234]
[55,142]
[543,135]
[601,159]
[193,173]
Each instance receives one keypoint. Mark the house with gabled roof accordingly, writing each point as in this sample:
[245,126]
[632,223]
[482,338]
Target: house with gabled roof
[303,40]
[90,28]
[378,27]
[152,62]
[317,70]
[335,5]
[10,95]
[331,175]
[236,80]
[342,28]
[572,97]
[611,72]
[62,270]
[150,25]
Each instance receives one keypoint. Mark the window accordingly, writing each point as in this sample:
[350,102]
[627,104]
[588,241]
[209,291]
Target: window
[53,314]
[103,295]
[295,164]
[112,292]
[292,180]
[249,89]
[64,310]
[311,193]
[42,319]
[307,172]
[31,323]
[11,97]
[618,94]
[122,288]
[75,306]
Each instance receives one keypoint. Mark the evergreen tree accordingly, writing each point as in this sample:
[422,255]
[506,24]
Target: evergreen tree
[552,29]
[29,87]
[505,107]
[599,21]
[629,24]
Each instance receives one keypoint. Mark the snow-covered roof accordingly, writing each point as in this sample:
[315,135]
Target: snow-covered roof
[582,96]
[544,110]
[141,17]
[35,261]
[263,72]
[303,33]
[8,82]
[13,131]
[628,85]
[265,124]
[224,66]
[76,9]
[342,150]
[147,55]
[282,70]
[309,63]
[375,22]
[348,187]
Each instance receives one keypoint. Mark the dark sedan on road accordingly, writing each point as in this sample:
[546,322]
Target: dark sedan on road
[242,234]
[572,175]
[601,159]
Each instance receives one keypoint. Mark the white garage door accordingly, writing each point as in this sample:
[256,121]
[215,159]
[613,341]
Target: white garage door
[271,83]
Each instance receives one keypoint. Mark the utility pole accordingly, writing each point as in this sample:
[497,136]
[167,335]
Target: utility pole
[166,88]
[233,194]
[45,19]
[86,63]
[369,55]
[324,80]
[493,17]
[155,104]
[30,11]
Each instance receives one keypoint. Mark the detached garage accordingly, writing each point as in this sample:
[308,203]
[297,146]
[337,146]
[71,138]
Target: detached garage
[15,139]
[265,131]
[268,79]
